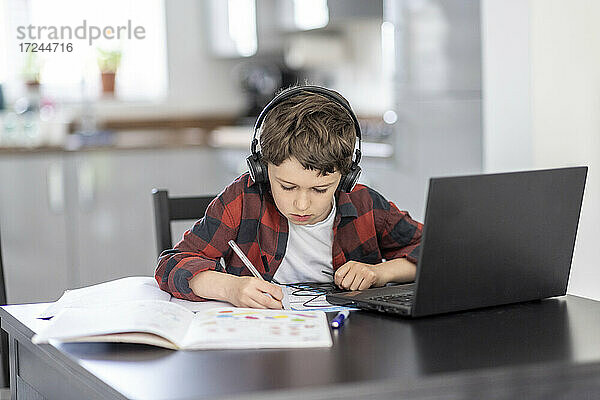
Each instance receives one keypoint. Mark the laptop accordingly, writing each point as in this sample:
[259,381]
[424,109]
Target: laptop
[488,240]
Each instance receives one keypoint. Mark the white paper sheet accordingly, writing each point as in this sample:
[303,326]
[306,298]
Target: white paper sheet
[306,300]
[122,290]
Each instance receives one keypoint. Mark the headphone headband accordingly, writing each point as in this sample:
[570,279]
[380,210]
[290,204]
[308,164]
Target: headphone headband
[255,165]
[287,93]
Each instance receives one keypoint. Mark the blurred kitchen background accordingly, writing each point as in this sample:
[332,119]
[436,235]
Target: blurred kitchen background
[441,87]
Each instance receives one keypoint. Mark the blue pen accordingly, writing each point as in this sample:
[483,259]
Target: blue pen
[339,319]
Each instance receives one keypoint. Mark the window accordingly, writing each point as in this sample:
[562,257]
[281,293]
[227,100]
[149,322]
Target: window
[311,14]
[88,26]
[233,27]
[4,31]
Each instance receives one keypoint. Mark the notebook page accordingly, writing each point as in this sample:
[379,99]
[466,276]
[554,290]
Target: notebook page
[197,306]
[245,328]
[163,318]
[120,290]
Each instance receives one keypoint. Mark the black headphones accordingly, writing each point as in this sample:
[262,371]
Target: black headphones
[258,169]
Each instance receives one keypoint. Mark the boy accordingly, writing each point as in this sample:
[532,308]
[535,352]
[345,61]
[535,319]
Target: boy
[291,218]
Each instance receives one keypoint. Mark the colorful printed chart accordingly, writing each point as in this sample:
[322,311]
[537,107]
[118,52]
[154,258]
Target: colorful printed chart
[248,328]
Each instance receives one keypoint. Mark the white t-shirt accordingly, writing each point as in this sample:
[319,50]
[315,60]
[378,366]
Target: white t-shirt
[308,252]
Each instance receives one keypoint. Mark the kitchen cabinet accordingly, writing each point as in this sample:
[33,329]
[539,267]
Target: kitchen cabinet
[71,219]
[115,222]
[33,220]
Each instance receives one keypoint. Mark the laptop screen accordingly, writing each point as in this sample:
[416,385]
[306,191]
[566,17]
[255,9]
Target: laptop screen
[497,239]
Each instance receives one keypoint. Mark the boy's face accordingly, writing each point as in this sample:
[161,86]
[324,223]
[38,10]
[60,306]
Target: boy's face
[302,195]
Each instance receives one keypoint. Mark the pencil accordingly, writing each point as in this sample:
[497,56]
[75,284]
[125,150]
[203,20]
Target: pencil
[247,263]
[245,260]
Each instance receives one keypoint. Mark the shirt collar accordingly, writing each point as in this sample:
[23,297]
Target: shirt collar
[250,181]
[344,205]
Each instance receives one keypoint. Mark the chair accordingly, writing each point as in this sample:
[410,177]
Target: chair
[168,209]
[3,335]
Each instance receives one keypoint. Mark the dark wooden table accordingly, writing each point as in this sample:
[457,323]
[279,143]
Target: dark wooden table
[541,350]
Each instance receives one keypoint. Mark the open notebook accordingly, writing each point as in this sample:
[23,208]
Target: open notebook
[166,324]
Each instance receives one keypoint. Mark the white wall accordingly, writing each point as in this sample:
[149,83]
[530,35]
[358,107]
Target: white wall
[363,80]
[565,85]
[507,142]
[542,103]
[198,81]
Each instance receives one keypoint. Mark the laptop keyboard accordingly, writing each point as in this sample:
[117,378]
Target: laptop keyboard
[404,299]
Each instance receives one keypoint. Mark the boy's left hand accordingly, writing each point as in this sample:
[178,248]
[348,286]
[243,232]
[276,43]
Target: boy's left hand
[355,275]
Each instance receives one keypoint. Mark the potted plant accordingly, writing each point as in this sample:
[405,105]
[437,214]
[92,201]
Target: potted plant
[31,70]
[108,62]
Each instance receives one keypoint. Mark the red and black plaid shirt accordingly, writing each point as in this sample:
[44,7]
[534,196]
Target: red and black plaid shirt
[367,228]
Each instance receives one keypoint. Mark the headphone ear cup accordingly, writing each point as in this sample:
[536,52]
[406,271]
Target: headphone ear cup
[264,174]
[257,169]
[349,180]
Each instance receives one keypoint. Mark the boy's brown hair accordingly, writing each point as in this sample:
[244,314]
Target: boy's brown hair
[312,128]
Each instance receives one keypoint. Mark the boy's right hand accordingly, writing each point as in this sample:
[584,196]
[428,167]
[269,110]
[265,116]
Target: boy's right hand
[252,292]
